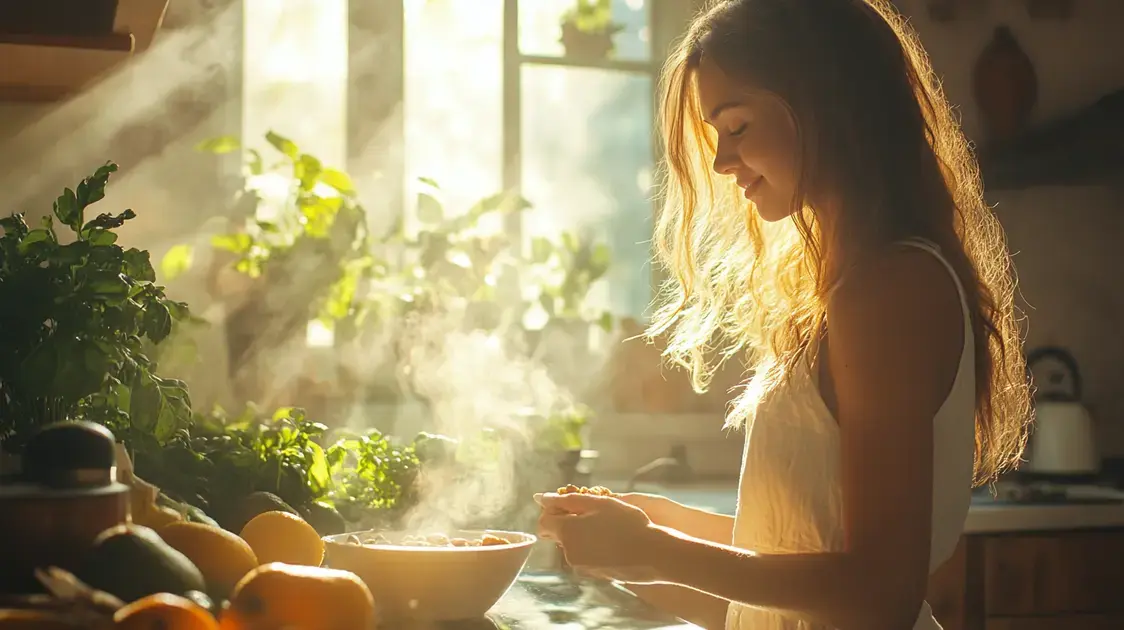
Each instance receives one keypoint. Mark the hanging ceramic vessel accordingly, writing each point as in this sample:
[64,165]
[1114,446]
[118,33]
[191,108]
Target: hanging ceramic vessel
[1006,87]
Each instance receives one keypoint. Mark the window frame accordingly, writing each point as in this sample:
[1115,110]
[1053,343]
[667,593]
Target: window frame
[376,92]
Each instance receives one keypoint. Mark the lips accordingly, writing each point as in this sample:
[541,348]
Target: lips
[750,187]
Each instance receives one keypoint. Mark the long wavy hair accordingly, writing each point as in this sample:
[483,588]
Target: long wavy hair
[874,129]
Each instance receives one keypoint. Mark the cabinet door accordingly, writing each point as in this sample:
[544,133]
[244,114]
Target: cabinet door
[1068,622]
[948,589]
[1054,574]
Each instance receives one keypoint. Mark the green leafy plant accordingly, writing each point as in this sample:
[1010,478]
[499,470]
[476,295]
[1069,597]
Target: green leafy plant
[363,281]
[76,322]
[563,429]
[286,454]
[371,472]
[594,17]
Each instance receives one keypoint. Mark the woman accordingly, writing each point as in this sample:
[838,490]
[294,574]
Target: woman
[823,218]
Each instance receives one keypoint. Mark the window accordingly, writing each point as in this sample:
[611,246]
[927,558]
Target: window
[490,101]
[295,74]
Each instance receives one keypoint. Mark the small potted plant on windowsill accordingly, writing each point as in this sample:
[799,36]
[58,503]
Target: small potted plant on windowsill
[588,30]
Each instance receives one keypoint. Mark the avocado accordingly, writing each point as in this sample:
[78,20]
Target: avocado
[324,519]
[235,516]
[131,561]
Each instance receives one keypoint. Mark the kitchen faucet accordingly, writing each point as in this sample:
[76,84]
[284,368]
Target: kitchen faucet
[672,469]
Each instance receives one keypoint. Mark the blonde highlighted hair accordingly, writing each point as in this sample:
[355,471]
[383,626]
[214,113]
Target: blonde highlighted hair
[875,129]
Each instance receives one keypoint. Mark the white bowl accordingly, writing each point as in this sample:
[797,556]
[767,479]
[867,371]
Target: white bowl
[432,583]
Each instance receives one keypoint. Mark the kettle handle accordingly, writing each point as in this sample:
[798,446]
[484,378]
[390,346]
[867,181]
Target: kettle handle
[1064,357]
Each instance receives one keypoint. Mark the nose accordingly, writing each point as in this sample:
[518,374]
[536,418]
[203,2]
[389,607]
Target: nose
[726,162]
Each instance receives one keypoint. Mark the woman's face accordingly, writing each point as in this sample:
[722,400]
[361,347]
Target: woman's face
[757,140]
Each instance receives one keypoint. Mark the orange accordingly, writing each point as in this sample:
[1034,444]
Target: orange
[222,557]
[283,537]
[164,611]
[292,596]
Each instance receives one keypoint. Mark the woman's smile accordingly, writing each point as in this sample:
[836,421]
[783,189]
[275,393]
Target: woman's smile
[750,187]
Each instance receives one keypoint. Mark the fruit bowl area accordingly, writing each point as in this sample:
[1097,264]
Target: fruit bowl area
[120,554]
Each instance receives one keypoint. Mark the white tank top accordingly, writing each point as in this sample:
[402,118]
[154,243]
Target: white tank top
[790,496]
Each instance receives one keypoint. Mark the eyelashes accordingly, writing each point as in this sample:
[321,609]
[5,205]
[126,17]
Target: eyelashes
[739,130]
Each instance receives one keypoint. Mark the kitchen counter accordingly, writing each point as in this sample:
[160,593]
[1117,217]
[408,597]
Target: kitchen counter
[557,600]
[984,516]
[993,517]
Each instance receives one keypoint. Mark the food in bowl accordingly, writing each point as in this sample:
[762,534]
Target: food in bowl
[600,491]
[429,540]
[430,581]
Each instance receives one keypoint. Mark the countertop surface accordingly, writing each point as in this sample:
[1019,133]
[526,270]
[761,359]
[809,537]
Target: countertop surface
[985,515]
[558,600]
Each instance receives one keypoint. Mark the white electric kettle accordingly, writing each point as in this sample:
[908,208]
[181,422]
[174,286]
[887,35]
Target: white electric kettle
[1062,442]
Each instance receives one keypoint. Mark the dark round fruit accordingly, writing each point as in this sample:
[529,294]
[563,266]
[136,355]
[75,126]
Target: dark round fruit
[132,562]
[324,519]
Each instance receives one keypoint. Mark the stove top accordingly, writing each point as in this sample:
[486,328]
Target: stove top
[557,600]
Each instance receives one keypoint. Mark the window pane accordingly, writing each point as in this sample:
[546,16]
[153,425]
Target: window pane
[295,75]
[587,163]
[540,28]
[454,98]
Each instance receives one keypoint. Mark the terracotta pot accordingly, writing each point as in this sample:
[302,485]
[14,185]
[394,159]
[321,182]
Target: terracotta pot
[1006,87]
[580,44]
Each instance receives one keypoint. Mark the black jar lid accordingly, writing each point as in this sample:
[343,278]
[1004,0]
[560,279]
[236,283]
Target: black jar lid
[70,455]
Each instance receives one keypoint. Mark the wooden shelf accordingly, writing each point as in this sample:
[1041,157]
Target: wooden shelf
[41,69]
[114,41]
[1084,149]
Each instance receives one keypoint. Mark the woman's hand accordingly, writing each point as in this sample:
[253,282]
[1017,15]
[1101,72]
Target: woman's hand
[602,536]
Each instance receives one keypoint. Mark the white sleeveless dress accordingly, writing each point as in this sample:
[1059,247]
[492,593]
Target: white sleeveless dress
[789,496]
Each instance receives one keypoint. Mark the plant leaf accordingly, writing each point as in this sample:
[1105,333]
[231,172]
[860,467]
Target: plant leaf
[238,243]
[338,180]
[138,265]
[283,144]
[219,145]
[177,261]
[307,169]
[429,209]
[157,322]
[606,321]
[67,210]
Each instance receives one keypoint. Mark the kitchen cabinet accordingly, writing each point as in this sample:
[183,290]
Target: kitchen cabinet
[1032,581]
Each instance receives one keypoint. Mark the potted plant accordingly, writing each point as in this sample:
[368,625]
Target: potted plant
[588,30]
[77,322]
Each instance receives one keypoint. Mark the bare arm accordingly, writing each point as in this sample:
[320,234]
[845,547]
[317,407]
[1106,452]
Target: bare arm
[694,522]
[894,347]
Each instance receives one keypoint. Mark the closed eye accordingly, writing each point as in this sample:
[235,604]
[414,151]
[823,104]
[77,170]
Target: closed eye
[739,130]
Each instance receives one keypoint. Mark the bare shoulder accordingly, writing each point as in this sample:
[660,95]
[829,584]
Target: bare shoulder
[896,322]
[899,279]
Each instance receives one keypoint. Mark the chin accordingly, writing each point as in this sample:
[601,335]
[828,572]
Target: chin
[772,212]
